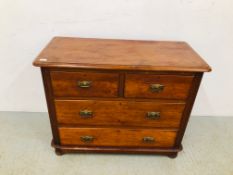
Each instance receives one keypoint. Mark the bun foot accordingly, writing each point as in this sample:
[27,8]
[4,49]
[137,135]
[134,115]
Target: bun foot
[172,155]
[58,152]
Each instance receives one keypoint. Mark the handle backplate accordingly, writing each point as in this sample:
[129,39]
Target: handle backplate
[86,114]
[148,139]
[87,139]
[156,87]
[153,115]
[84,84]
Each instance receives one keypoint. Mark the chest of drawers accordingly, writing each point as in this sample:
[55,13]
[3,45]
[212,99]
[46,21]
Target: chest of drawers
[119,96]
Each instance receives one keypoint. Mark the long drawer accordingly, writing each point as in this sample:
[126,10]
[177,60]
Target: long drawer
[118,113]
[117,137]
[157,86]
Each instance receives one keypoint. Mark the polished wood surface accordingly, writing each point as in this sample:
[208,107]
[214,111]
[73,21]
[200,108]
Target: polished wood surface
[175,87]
[121,55]
[189,106]
[50,104]
[65,84]
[118,137]
[119,96]
[65,149]
[118,113]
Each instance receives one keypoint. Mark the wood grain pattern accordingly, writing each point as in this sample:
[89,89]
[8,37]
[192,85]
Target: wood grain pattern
[118,137]
[64,149]
[188,108]
[118,113]
[175,87]
[117,102]
[120,55]
[50,104]
[65,84]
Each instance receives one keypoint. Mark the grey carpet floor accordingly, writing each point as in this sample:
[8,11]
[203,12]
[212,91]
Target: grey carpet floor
[25,150]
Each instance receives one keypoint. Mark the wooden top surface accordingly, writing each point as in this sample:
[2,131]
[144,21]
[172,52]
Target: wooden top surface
[121,55]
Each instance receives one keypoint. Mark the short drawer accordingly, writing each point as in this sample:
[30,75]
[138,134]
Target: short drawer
[117,137]
[157,86]
[118,113]
[84,84]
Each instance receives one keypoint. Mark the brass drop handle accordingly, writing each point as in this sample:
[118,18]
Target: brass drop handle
[87,139]
[84,84]
[153,115]
[86,114]
[148,139]
[156,87]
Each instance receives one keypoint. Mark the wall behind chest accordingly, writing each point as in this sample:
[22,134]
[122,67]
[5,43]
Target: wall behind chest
[26,26]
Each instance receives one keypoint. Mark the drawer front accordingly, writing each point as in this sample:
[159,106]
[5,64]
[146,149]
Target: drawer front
[157,86]
[127,113]
[117,137]
[84,84]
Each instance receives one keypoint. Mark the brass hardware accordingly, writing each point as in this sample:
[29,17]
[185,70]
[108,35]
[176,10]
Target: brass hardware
[148,139]
[156,87]
[87,139]
[86,114]
[153,115]
[84,84]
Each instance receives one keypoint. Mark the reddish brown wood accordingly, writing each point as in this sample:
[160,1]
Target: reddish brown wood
[188,108]
[118,137]
[122,99]
[121,88]
[118,113]
[170,152]
[121,55]
[50,104]
[175,87]
[70,69]
[65,84]
[121,73]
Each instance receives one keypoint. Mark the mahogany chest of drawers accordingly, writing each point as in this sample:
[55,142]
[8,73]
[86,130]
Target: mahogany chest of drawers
[119,96]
